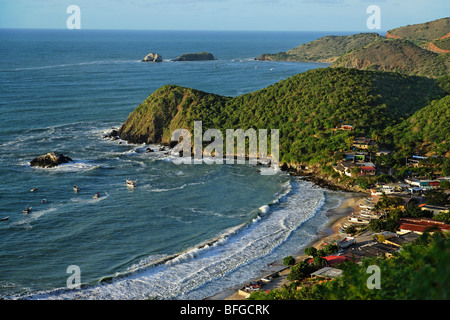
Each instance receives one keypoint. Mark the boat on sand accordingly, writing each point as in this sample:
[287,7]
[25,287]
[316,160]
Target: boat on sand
[345,242]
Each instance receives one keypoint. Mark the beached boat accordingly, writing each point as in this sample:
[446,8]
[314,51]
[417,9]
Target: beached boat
[4,219]
[375,192]
[131,183]
[357,219]
[345,242]
[27,210]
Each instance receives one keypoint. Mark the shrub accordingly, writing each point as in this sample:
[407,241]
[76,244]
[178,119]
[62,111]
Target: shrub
[289,261]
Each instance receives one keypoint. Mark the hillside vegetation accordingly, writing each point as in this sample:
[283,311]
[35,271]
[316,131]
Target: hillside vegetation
[325,49]
[306,108]
[420,49]
[396,55]
[427,130]
[422,33]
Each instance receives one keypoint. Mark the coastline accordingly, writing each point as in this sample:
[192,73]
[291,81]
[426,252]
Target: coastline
[329,232]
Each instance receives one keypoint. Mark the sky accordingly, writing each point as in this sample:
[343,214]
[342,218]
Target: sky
[263,15]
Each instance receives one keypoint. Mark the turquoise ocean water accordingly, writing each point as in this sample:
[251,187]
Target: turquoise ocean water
[186,231]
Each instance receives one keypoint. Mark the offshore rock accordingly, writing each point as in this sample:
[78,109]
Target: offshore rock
[152,57]
[51,159]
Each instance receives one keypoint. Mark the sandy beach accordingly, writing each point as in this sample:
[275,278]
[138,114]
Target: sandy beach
[338,216]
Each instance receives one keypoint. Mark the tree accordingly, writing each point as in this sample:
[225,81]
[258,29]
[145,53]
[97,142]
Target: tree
[311,251]
[376,225]
[444,184]
[289,261]
[320,262]
[437,197]
[300,271]
[330,249]
[443,216]
[351,229]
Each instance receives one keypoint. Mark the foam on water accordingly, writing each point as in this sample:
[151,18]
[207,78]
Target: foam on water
[66,101]
[176,276]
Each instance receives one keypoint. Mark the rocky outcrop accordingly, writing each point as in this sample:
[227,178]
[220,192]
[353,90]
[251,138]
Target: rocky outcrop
[49,160]
[152,57]
[200,56]
[113,135]
[392,36]
[433,48]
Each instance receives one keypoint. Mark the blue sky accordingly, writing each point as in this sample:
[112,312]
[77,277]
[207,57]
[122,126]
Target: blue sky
[272,15]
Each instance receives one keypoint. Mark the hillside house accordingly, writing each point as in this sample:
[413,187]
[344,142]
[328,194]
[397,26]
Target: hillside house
[363,143]
[434,208]
[347,127]
[421,225]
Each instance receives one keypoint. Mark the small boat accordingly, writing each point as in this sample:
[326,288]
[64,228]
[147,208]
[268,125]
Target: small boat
[345,242]
[4,219]
[26,210]
[359,220]
[131,183]
[76,189]
[44,201]
[97,195]
[34,189]
[375,192]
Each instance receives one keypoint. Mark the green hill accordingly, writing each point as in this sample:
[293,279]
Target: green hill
[423,33]
[396,55]
[325,49]
[306,108]
[427,131]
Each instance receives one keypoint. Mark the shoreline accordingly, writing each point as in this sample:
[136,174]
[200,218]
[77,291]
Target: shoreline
[329,232]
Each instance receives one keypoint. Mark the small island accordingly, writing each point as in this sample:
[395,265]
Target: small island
[200,56]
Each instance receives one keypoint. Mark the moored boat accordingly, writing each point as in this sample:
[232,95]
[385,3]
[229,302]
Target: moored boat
[131,183]
[27,210]
[4,219]
[345,242]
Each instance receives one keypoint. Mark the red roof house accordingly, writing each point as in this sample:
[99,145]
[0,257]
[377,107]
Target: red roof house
[333,260]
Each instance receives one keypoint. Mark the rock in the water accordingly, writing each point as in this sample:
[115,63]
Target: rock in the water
[49,160]
[200,56]
[114,135]
[152,57]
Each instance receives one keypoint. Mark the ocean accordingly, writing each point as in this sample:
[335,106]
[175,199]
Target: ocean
[185,231]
